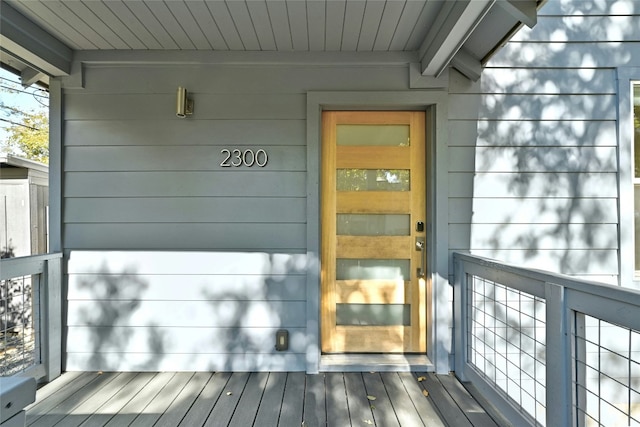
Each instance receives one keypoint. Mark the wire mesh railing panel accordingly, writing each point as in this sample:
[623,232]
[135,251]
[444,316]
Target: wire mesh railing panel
[19,341]
[506,343]
[607,378]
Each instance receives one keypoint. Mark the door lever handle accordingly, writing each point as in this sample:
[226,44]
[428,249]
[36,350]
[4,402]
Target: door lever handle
[420,246]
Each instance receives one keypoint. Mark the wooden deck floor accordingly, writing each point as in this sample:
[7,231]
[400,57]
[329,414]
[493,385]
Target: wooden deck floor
[255,399]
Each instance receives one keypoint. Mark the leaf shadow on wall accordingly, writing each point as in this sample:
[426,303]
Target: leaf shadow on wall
[109,301]
[546,149]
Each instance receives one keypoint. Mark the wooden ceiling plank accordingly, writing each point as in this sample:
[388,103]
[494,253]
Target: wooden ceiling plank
[280,23]
[373,12]
[316,22]
[334,24]
[188,24]
[262,24]
[115,25]
[388,24]
[353,16]
[164,15]
[244,25]
[142,13]
[223,19]
[207,24]
[416,19]
[131,21]
[298,23]
[76,20]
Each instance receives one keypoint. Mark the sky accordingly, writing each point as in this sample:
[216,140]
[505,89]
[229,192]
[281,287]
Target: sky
[31,99]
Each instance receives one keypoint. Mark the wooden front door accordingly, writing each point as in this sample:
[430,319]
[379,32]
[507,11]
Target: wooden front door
[373,232]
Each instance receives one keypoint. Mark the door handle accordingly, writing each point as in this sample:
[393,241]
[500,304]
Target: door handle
[420,246]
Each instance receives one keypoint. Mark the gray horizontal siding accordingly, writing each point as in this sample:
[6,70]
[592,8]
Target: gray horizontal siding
[189,287]
[207,314]
[180,158]
[533,157]
[144,310]
[185,209]
[563,54]
[585,28]
[191,340]
[533,236]
[224,106]
[239,182]
[536,106]
[170,236]
[550,134]
[543,210]
[248,79]
[555,80]
[533,184]
[158,133]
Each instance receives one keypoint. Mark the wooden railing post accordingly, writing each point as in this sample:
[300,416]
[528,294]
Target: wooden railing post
[558,358]
[51,306]
[459,318]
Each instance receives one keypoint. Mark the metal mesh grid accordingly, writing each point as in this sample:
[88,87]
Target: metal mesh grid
[18,339]
[607,380]
[506,343]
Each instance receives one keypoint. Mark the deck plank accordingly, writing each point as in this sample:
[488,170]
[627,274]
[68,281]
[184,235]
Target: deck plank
[336,395]
[314,412]
[426,409]
[257,399]
[293,400]
[359,405]
[249,402]
[139,402]
[448,408]
[68,403]
[404,409]
[53,397]
[113,405]
[228,401]
[183,401]
[469,406]
[269,410]
[89,406]
[383,413]
[154,410]
[202,407]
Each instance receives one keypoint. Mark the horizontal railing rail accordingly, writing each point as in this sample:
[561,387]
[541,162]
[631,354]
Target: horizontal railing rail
[547,349]
[30,316]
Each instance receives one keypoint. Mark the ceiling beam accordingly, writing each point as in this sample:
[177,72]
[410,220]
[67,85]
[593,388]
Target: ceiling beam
[467,64]
[26,41]
[453,26]
[29,76]
[525,11]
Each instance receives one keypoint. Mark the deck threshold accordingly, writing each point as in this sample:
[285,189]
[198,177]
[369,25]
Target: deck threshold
[375,362]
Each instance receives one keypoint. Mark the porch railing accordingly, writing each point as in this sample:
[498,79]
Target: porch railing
[547,349]
[30,316]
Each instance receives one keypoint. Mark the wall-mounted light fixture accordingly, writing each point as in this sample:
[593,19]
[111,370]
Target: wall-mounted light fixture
[282,340]
[184,105]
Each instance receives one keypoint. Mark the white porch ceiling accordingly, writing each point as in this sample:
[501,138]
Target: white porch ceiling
[434,30]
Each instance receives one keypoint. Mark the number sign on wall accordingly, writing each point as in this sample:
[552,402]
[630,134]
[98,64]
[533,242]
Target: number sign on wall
[243,158]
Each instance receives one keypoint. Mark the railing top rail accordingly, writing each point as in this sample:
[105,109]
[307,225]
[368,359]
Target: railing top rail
[626,295]
[21,266]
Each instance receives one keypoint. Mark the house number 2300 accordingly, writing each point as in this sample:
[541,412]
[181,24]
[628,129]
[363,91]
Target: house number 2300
[237,158]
